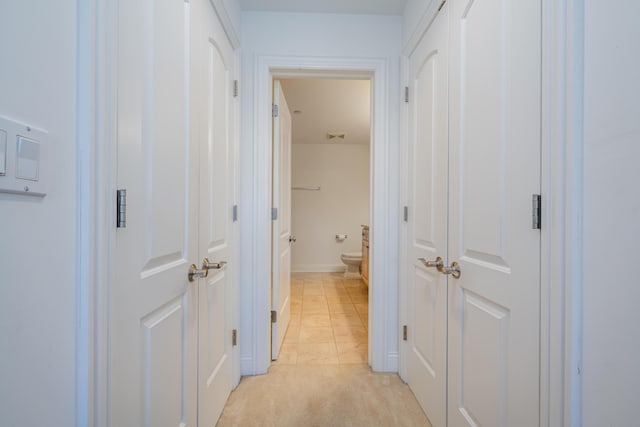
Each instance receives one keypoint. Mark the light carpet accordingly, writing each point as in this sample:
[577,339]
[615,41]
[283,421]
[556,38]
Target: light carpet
[325,395]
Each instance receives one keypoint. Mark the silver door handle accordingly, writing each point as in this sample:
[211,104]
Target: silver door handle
[195,273]
[432,264]
[208,265]
[453,270]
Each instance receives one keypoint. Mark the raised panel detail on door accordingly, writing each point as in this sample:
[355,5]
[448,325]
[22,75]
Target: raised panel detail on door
[427,228]
[493,171]
[163,364]
[484,354]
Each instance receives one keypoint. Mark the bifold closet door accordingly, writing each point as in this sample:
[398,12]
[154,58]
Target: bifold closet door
[427,225]
[494,169]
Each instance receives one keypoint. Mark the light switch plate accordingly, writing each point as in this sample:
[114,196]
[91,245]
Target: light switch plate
[25,158]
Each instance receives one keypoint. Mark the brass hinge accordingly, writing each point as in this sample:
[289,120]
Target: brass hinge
[404,333]
[234,337]
[274,316]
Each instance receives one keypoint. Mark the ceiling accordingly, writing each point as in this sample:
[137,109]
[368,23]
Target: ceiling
[329,106]
[365,7]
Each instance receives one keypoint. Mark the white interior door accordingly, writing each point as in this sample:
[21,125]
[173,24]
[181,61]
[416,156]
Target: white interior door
[152,323]
[212,59]
[281,230]
[427,227]
[494,314]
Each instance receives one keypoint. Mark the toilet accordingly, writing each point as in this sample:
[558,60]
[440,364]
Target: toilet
[352,260]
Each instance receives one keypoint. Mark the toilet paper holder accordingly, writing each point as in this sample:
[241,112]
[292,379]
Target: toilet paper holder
[341,237]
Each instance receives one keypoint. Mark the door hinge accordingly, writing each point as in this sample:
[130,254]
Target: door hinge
[406,214]
[235,88]
[235,213]
[406,94]
[536,211]
[274,110]
[404,333]
[234,337]
[121,215]
[274,316]
[441,5]
[274,213]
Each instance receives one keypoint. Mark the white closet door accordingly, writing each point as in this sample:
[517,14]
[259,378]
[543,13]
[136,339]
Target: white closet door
[152,305]
[212,94]
[427,228]
[494,169]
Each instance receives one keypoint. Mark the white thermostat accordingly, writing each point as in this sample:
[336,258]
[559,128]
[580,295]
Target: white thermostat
[22,158]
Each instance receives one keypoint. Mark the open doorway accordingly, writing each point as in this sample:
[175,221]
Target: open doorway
[327,319]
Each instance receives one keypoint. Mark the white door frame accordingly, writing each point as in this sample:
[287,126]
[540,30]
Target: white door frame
[561,186]
[383,319]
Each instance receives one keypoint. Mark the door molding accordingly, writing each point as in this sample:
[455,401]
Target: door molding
[383,336]
[96,152]
[561,249]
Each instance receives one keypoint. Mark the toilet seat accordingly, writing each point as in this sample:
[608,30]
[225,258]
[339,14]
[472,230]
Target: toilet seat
[352,255]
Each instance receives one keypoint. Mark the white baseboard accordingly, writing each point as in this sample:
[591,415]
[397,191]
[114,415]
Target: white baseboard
[314,268]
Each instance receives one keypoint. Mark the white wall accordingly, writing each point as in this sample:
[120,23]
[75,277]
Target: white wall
[340,207]
[611,287]
[38,236]
[318,35]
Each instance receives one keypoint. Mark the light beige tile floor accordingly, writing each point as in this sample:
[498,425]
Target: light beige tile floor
[329,321]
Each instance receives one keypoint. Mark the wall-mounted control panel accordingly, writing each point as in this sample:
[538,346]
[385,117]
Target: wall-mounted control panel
[23,158]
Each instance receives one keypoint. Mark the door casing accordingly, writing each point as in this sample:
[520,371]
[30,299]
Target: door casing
[383,330]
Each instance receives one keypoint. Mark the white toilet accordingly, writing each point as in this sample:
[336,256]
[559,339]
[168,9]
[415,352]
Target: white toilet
[352,260]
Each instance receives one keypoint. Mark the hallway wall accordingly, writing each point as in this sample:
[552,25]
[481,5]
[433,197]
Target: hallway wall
[611,227]
[320,35]
[38,235]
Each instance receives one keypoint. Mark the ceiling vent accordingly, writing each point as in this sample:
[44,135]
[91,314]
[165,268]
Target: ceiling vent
[336,136]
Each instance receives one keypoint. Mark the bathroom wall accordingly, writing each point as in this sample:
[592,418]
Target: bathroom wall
[340,207]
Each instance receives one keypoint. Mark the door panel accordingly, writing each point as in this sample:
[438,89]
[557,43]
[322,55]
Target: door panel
[281,230]
[152,322]
[493,171]
[427,231]
[212,98]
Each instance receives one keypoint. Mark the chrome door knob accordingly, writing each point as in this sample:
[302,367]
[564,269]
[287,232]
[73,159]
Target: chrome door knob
[196,273]
[432,264]
[208,265]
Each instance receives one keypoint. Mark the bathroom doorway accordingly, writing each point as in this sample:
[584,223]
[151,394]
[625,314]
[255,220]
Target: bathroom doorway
[330,196]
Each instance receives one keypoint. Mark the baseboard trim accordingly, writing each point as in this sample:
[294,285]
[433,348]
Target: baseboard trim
[311,268]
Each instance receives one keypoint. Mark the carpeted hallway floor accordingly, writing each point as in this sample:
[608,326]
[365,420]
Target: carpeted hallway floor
[321,377]
[322,395]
